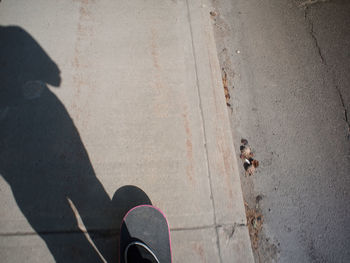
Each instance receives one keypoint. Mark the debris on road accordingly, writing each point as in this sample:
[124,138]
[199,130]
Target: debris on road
[246,152]
[246,156]
[225,83]
[255,223]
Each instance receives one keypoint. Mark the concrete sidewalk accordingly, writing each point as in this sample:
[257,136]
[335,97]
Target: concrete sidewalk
[134,101]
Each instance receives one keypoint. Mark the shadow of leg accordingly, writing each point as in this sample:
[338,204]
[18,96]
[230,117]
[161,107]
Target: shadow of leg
[123,200]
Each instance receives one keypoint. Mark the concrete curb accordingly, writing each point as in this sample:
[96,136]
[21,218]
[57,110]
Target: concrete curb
[229,214]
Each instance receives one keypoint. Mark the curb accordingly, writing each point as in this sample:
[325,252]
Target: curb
[227,199]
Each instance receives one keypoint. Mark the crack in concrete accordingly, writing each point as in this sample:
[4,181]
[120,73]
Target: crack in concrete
[232,229]
[313,36]
[346,117]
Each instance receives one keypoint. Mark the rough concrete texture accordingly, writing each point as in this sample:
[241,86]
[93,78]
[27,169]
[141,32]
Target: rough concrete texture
[105,106]
[288,70]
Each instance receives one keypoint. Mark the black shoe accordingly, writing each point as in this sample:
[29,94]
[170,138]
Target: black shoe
[138,252]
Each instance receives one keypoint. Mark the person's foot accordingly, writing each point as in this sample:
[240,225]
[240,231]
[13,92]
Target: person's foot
[138,252]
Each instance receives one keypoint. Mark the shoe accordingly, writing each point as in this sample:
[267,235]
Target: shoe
[138,252]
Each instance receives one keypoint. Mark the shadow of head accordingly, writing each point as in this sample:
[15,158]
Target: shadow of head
[25,66]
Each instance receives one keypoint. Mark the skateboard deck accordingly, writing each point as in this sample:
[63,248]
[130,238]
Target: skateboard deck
[145,236]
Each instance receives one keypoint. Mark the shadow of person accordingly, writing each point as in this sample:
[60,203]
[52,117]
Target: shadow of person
[43,159]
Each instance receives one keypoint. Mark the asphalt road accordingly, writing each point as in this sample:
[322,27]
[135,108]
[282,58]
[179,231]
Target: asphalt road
[288,69]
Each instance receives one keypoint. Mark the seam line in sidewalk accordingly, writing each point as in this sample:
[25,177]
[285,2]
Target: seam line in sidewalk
[207,227]
[104,232]
[113,232]
[203,127]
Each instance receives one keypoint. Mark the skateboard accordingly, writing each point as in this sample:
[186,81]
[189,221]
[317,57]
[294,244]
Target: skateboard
[145,236]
